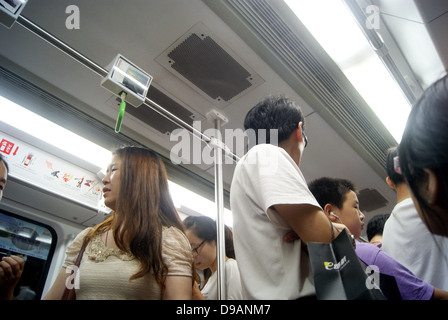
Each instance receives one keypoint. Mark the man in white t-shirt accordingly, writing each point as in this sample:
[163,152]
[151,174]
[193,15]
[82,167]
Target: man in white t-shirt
[408,240]
[269,197]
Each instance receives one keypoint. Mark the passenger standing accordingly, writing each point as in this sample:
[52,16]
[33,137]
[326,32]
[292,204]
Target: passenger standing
[11,268]
[201,231]
[423,157]
[269,197]
[4,170]
[375,229]
[339,199]
[407,239]
[141,251]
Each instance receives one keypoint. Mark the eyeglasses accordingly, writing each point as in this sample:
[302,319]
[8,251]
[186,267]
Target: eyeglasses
[397,167]
[195,250]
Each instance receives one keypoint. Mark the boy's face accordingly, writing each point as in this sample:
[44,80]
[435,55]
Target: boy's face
[350,214]
[3,178]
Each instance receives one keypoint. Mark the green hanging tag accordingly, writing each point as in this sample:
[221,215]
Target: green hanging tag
[121,113]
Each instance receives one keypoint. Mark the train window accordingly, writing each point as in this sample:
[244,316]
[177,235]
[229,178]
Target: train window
[35,243]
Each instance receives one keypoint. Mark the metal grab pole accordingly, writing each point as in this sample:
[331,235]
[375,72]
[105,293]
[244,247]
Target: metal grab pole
[45,35]
[219,202]
[31,26]
[51,39]
[219,148]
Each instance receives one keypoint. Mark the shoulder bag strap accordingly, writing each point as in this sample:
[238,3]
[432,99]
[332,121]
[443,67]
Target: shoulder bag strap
[65,295]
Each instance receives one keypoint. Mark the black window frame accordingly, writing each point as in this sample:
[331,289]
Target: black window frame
[46,267]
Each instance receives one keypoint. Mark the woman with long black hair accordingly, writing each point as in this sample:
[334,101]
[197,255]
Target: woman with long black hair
[423,156]
[141,251]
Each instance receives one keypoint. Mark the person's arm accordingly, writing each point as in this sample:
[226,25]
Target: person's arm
[177,288]
[439,294]
[197,295]
[57,289]
[309,222]
[72,253]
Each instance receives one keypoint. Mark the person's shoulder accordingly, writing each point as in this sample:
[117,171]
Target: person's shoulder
[367,246]
[255,154]
[172,231]
[232,267]
[80,236]
[231,262]
[367,251]
[174,237]
[263,147]
[264,152]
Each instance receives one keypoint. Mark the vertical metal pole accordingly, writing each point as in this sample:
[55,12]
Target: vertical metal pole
[219,201]
[218,150]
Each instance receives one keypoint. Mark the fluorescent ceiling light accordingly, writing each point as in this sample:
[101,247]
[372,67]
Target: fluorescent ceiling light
[334,27]
[45,130]
[51,133]
[184,197]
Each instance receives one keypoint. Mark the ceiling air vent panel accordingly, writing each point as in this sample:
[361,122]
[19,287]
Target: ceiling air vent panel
[208,66]
[370,200]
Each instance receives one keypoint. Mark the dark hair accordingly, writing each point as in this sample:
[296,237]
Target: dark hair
[424,145]
[395,177]
[143,208]
[331,190]
[273,113]
[376,225]
[2,159]
[205,228]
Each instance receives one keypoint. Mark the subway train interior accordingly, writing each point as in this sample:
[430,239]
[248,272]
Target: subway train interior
[355,67]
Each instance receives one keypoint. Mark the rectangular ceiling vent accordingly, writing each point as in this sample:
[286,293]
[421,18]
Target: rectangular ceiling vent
[209,67]
[370,200]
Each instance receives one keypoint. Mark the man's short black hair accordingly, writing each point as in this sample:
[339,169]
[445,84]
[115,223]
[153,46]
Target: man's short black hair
[277,113]
[331,190]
